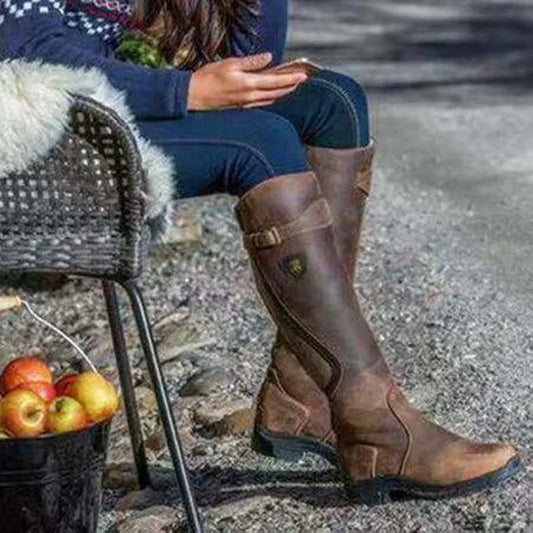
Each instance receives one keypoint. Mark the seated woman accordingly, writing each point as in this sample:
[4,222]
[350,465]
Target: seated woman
[296,150]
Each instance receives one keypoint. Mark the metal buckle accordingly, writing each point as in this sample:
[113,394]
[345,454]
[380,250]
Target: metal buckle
[266,239]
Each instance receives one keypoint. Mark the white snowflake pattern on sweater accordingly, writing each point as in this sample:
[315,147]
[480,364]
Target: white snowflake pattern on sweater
[21,8]
[104,18]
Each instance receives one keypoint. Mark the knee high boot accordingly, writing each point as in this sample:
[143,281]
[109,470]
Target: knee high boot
[292,413]
[385,447]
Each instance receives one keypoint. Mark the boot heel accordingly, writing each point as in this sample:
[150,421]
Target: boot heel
[371,492]
[275,446]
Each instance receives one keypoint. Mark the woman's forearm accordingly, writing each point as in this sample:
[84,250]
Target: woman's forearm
[150,93]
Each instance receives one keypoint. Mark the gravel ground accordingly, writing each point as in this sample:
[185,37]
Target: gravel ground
[445,274]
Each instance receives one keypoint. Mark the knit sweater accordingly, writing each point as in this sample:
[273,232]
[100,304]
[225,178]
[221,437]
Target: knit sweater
[86,32]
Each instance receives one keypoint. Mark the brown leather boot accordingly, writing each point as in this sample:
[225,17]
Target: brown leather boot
[386,448]
[291,418]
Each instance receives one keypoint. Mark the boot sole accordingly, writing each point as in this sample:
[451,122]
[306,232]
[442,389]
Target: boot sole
[383,490]
[289,448]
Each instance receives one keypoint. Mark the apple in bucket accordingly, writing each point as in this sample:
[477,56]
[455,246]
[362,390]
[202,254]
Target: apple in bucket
[66,414]
[97,395]
[28,369]
[46,391]
[63,384]
[23,414]
[33,406]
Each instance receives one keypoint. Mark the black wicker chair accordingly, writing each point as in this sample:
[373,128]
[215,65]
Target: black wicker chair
[80,212]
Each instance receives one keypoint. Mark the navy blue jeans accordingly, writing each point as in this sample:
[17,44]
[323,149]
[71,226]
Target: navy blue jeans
[232,151]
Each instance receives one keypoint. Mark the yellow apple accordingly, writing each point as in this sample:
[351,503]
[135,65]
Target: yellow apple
[66,414]
[23,414]
[97,395]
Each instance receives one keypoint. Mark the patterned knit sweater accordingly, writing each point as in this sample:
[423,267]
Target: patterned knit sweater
[106,19]
[86,33]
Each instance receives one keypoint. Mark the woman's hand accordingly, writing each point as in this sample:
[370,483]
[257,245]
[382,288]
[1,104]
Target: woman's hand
[236,82]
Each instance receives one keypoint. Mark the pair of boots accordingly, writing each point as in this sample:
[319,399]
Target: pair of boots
[328,389]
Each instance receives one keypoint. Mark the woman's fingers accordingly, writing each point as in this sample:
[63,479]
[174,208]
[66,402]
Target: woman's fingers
[277,81]
[264,96]
[235,82]
[259,104]
[249,63]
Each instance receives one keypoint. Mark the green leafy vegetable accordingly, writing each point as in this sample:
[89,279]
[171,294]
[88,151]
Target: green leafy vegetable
[138,48]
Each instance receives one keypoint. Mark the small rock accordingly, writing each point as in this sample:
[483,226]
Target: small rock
[120,476]
[210,412]
[230,511]
[200,359]
[158,519]
[140,499]
[164,325]
[238,423]
[184,229]
[207,381]
[180,340]
[175,371]
[202,450]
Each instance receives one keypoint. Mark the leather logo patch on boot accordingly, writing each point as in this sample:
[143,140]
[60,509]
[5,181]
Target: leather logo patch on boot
[295,265]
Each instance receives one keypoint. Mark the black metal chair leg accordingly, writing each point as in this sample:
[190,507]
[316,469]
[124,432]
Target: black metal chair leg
[165,408]
[124,369]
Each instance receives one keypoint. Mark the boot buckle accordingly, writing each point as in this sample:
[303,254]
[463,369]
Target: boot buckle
[266,239]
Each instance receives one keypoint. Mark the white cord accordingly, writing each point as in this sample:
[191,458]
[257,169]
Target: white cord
[59,332]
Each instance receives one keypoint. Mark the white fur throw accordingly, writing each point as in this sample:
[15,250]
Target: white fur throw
[34,102]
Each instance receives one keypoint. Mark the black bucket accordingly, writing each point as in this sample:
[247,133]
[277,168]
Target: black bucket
[53,484]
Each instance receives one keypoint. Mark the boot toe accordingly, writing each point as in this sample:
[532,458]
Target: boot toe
[469,461]
[488,458]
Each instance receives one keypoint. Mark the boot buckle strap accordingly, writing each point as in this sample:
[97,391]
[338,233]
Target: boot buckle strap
[315,217]
[265,239]
[364,179]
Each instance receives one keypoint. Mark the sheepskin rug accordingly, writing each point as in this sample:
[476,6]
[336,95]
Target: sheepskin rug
[35,98]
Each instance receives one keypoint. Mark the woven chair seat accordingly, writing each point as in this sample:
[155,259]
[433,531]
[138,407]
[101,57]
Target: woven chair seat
[80,210]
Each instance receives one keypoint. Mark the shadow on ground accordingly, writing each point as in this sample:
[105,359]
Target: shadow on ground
[216,486]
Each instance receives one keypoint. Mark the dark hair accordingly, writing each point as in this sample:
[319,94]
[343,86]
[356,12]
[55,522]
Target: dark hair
[199,30]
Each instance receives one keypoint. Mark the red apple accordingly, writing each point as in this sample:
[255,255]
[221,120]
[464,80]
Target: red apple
[44,390]
[24,370]
[97,395]
[23,414]
[63,384]
[66,414]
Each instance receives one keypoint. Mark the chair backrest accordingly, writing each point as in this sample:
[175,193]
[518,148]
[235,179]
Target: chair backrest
[81,209]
